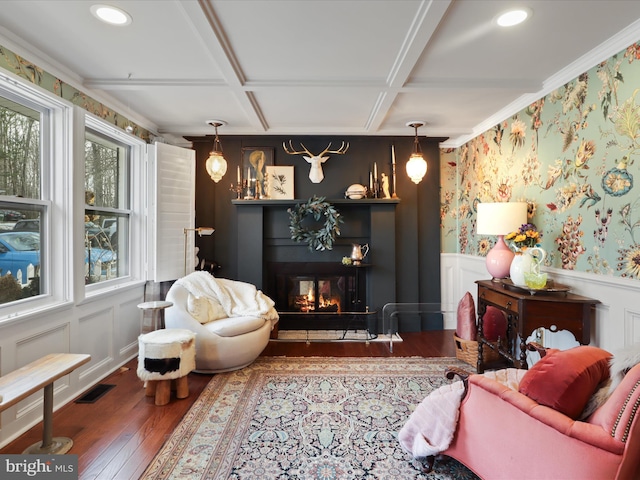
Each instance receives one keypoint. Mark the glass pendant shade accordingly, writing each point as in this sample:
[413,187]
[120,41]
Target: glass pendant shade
[216,164]
[416,167]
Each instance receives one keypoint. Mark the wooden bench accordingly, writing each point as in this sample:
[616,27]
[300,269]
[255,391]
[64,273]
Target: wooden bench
[25,381]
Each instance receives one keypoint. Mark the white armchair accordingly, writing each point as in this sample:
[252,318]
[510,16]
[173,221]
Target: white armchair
[221,345]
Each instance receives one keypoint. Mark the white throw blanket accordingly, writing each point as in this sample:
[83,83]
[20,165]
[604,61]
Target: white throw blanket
[431,426]
[238,299]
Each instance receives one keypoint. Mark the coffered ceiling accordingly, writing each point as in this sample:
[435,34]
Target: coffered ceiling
[343,67]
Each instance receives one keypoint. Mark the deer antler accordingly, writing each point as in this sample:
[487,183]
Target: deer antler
[294,152]
[341,151]
[291,151]
[316,161]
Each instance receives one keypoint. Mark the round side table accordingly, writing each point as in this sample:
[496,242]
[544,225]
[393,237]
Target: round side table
[156,307]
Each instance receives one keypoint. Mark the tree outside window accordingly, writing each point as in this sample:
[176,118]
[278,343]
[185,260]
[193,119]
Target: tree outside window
[22,210]
[107,213]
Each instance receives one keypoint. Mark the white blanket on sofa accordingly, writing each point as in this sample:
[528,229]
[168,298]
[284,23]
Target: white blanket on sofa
[238,299]
[431,426]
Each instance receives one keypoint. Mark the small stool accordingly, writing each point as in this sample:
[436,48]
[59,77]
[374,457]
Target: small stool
[165,356]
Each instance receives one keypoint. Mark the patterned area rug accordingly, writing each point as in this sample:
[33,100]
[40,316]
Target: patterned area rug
[305,418]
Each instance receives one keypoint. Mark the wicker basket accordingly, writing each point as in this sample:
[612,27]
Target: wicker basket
[467,351]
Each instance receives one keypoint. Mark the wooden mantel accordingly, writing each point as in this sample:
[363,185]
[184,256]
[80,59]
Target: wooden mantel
[335,201]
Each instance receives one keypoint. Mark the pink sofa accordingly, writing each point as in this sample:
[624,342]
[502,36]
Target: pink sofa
[503,434]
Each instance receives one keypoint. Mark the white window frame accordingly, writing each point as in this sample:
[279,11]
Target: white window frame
[55,194]
[137,206]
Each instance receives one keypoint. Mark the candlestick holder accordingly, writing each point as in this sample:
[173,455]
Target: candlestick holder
[237,188]
[393,171]
[248,191]
[370,191]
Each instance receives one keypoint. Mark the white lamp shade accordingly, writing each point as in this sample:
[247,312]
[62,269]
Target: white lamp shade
[500,218]
[216,166]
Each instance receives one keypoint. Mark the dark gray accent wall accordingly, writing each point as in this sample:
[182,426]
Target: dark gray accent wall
[416,215]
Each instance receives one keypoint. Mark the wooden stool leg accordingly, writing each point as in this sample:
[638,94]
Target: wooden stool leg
[163,392]
[150,388]
[182,387]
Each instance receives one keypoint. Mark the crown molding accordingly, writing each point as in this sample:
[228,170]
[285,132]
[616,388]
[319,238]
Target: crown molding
[611,47]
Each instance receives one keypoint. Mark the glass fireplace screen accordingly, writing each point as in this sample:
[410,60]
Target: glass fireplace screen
[317,287]
[318,294]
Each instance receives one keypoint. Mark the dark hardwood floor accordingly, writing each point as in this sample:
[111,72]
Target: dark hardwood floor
[117,436]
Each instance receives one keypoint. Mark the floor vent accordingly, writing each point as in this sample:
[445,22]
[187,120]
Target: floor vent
[95,393]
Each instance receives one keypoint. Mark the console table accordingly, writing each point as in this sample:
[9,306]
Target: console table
[525,312]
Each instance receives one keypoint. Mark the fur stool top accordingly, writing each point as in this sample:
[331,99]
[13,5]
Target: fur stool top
[166,354]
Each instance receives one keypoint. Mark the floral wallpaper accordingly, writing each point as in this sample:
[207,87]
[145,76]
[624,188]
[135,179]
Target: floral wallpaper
[572,155]
[36,75]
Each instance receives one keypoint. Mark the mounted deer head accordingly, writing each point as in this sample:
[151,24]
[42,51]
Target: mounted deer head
[316,161]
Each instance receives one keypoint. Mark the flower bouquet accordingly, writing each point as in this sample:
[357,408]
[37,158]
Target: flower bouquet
[528,257]
[526,236]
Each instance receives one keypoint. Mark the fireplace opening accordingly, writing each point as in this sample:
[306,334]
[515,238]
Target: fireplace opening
[315,295]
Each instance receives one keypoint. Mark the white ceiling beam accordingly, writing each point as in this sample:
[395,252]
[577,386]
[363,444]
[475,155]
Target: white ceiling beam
[140,83]
[215,41]
[428,16]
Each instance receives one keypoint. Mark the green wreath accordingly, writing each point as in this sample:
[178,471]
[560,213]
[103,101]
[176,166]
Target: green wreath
[317,207]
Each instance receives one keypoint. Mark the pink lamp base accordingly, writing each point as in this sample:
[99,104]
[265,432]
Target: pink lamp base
[499,259]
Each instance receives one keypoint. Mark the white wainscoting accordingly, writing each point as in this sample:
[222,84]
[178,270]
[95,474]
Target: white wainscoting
[106,327]
[617,322]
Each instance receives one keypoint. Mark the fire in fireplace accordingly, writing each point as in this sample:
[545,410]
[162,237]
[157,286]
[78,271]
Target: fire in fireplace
[316,294]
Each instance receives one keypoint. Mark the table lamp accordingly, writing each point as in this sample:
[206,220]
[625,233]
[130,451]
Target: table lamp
[500,219]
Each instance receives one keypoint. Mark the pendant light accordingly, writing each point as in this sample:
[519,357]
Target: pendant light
[216,164]
[417,165]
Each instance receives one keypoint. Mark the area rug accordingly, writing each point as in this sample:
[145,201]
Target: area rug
[305,418]
[332,336]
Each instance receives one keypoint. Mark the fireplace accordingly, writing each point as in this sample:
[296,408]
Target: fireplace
[265,248]
[316,295]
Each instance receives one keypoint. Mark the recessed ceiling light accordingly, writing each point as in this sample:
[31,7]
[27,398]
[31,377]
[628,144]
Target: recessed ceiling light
[513,17]
[111,15]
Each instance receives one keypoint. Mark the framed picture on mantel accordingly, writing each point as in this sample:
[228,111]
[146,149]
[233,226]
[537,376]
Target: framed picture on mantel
[255,161]
[280,182]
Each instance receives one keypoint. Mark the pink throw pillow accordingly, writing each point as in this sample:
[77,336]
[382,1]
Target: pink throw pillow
[494,324]
[565,379]
[466,328]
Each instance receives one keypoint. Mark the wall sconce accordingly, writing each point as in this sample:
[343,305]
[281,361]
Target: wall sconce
[206,231]
[500,219]
[417,165]
[216,164]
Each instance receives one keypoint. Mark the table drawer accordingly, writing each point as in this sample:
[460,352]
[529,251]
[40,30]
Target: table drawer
[501,300]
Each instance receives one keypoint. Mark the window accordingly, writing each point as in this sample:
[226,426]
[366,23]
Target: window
[58,164]
[107,207]
[22,208]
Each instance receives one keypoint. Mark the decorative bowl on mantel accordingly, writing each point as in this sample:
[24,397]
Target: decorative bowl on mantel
[356,191]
